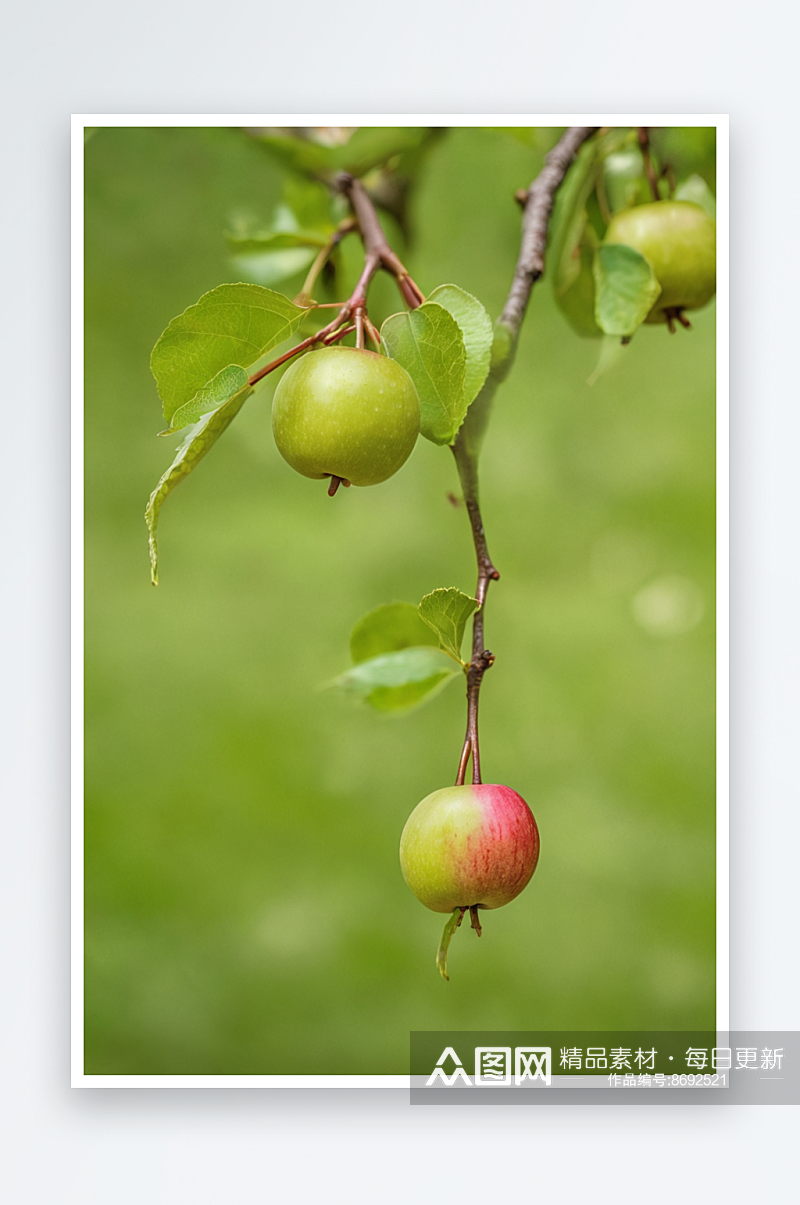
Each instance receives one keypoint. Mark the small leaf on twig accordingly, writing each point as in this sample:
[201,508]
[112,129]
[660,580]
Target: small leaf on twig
[232,325]
[388,629]
[446,611]
[198,440]
[476,330]
[428,343]
[398,681]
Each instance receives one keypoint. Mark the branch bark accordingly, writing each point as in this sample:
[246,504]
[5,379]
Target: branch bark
[538,207]
[377,252]
[535,222]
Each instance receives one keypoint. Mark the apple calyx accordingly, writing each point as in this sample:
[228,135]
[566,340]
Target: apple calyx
[453,922]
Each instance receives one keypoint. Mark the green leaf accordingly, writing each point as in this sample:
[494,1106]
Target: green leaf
[626,289]
[476,330]
[535,138]
[502,345]
[309,202]
[216,393]
[233,324]
[255,241]
[403,698]
[612,349]
[271,267]
[428,343]
[388,629]
[447,611]
[370,146]
[198,440]
[624,179]
[686,149]
[697,191]
[451,924]
[577,301]
[301,154]
[400,680]
[568,221]
[569,217]
[367,147]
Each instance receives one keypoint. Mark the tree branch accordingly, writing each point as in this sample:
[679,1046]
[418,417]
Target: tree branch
[377,254]
[535,222]
[538,206]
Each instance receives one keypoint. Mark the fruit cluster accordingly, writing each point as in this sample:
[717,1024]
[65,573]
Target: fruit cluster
[353,416]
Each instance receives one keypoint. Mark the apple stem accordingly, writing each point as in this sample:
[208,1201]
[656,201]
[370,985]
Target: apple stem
[453,921]
[372,331]
[473,917]
[329,334]
[359,317]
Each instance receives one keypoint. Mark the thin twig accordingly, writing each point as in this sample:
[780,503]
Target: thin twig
[649,170]
[342,333]
[304,296]
[535,221]
[377,254]
[287,355]
[538,206]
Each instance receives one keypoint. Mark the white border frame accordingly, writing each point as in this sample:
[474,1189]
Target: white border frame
[79,121]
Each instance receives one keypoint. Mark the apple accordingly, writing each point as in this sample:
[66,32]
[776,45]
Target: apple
[678,239]
[468,847]
[475,845]
[346,413]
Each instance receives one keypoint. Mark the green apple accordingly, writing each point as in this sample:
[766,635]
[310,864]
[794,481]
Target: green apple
[471,846]
[679,241]
[343,412]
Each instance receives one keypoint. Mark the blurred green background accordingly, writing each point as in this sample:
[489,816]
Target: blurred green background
[245,911]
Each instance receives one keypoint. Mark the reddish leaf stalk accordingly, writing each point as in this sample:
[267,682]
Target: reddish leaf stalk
[377,254]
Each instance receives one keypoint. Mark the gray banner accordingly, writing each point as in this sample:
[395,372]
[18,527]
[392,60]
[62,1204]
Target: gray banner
[642,1068]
